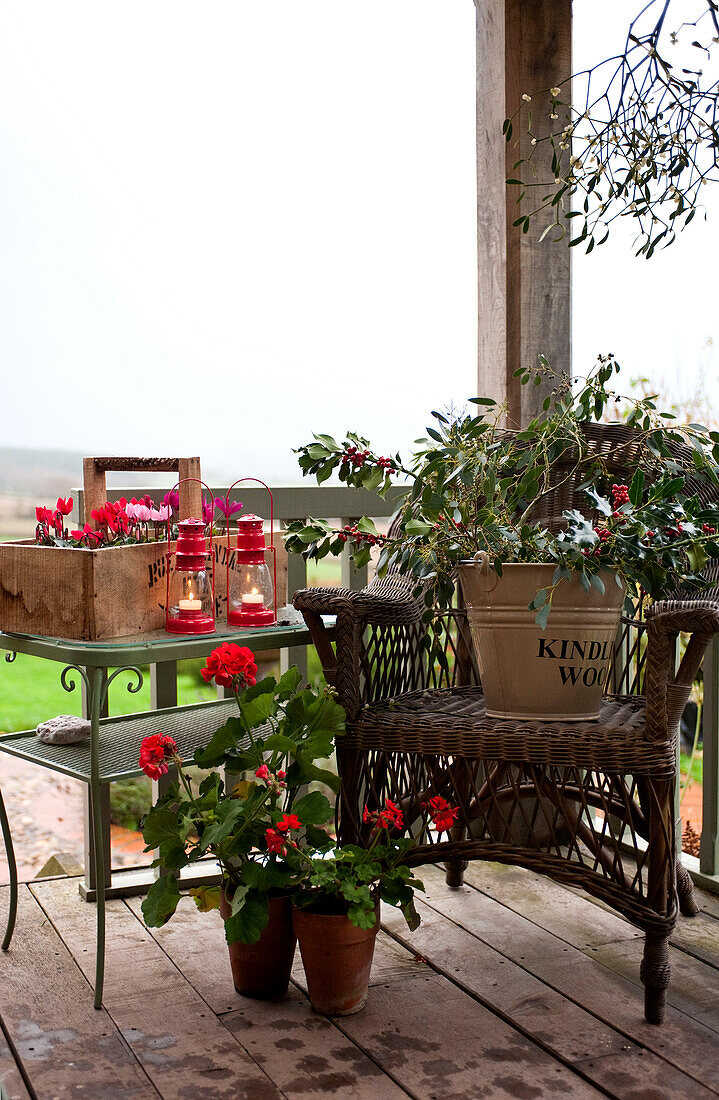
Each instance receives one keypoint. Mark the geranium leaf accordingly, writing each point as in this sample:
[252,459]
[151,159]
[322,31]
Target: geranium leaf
[161,901]
[313,809]
[226,737]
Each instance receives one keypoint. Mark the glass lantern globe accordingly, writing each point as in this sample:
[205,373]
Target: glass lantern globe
[250,597]
[190,596]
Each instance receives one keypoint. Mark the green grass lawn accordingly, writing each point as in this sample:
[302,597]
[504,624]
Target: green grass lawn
[31,692]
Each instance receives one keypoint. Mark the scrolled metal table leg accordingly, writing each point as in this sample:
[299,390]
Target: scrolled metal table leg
[12,868]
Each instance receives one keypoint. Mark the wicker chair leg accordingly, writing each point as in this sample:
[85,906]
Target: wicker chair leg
[685,889]
[454,874]
[655,973]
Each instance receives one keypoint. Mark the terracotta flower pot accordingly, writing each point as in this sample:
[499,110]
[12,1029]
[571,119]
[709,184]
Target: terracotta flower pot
[262,969]
[337,958]
[559,673]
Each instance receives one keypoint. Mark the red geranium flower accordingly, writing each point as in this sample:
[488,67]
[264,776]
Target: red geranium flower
[442,814]
[389,815]
[64,506]
[155,751]
[229,661]
[287,822]
[276,842]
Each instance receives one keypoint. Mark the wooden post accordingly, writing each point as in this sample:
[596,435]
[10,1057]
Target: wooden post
[523,47]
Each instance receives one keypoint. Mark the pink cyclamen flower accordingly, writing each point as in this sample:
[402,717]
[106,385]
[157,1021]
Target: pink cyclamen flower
[227,508]
[161,514]
[207,509]
[143,513]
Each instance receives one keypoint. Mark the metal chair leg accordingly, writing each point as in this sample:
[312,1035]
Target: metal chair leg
[12,868]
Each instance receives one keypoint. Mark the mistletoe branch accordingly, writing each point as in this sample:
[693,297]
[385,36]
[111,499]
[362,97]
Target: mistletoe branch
[639,140]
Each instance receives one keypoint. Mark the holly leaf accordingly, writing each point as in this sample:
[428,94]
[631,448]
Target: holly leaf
[636,488]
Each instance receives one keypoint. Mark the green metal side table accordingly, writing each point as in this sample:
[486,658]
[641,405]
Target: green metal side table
[114,745]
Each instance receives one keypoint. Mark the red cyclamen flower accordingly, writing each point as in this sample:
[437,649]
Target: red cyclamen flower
[229,661]
[64,506]
[443,815]
[155,751]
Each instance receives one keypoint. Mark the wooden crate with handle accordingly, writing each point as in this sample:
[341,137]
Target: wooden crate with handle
[110,592]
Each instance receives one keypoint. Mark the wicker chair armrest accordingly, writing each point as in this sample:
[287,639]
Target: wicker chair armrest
[367,605]
[666,691]
[385,603]
[685,616]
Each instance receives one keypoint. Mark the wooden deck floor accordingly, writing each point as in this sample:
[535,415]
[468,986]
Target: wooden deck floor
[512,987]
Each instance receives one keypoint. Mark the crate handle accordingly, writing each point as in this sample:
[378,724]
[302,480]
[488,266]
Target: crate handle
[95,486]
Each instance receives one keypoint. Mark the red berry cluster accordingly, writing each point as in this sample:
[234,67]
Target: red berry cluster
[620,496]
[708,530]
[354,457]
[602,534]
[359,536]
[675,532]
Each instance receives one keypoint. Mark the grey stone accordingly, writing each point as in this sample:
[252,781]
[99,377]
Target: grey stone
[66,729]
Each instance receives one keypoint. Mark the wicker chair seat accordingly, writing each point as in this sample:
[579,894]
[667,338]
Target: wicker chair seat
[453,722]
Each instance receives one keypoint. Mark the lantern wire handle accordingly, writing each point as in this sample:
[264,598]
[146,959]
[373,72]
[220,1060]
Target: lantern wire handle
[271,547]
[185,481]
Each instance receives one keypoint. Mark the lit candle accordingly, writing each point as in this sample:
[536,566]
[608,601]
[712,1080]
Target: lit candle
[190,604]
[253,599]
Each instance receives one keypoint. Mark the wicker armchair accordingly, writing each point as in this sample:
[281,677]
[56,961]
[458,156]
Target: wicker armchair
[590,804]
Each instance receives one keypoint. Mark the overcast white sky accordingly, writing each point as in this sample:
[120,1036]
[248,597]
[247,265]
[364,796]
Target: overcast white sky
[224,226]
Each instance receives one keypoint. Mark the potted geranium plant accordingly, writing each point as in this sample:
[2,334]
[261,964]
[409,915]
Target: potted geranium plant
[247,824]
[539,526]
[336,908]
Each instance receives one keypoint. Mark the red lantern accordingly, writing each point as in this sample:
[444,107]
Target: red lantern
[250,586]
[190,595]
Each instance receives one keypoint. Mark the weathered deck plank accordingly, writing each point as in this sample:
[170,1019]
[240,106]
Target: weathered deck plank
[597,932]
[565,1030]
[566,969]
[13,1086]
[567,909]
[440,1043]
[46,1005]
[531,991]
[304,1054]
[178,1040]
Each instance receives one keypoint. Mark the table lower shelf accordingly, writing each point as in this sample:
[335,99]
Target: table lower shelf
[135,881]
[120,739]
